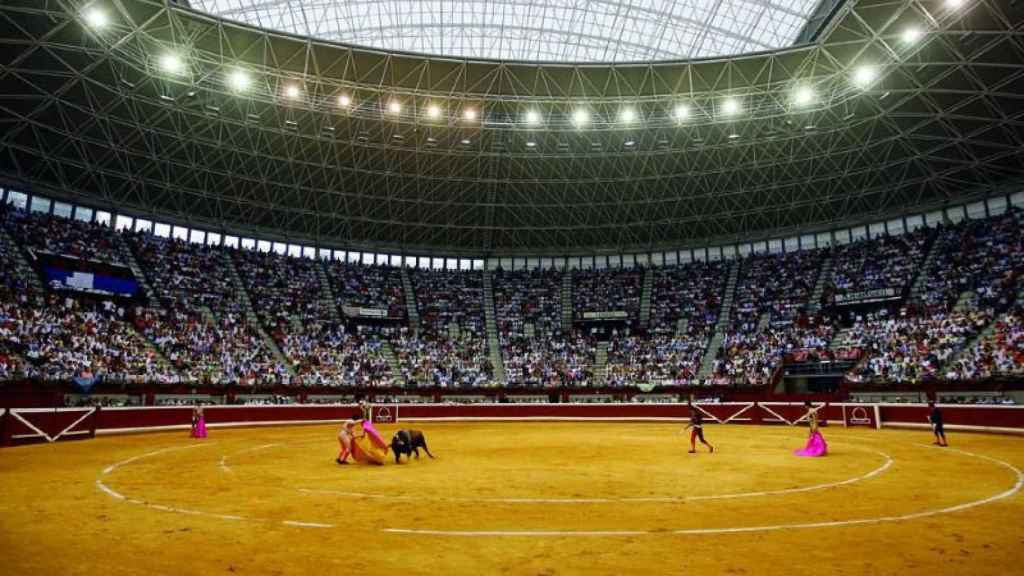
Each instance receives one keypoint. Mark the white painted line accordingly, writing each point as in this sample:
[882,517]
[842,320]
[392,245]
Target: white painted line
[658,499]
[224,459]
[743,529]
[307,524]
[110,491]
[533,533]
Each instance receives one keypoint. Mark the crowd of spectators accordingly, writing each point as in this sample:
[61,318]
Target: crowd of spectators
[531,297]
[546,354]
[11,275]
[449,297]
[432,359]
[878,263]
[688,291]
[980,257]
[777,285]
[655,359]
[64,236]
[450,350]
[199,326]
[608,290]
[999,354]
[199,321]
[62,338]
[751,358]
[368,286]
[327,354]
[184,275]
[202,348]
[549,361]
[282,289]
[908,347]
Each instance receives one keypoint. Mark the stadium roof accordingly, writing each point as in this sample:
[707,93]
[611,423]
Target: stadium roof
[536,30]
[164,111]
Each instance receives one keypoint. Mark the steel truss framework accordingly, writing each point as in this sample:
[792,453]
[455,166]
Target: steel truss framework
[536,30]
[87,115]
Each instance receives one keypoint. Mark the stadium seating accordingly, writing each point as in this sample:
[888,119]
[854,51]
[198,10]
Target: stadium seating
[606,291]
[954,318]
[368,286]
[56,235]
[450,350]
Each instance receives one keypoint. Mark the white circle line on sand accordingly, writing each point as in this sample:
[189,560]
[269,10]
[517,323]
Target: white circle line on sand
[176,510]
[634,500]
[224,467]
[737,530]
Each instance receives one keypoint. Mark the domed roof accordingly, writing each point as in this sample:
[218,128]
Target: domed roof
[535,30]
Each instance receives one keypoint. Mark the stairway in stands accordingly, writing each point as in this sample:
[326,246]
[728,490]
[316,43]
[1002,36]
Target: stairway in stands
[328,300]
[125,251]
[682,327]
[21,263]
[601,363]
[990,329]
[389,355]
[410,301]
[918,287]
[250,312]
[567,301]
[645,297]
[707,363]
[491,324]
[824,276]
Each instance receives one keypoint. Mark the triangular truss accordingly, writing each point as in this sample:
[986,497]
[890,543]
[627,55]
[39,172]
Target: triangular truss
[87,115]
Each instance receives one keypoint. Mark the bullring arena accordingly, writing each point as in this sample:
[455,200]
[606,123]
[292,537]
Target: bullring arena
[517,490]
[695,287]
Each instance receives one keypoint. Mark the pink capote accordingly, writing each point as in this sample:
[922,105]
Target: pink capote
[815,447]
[199,428]
[373,434]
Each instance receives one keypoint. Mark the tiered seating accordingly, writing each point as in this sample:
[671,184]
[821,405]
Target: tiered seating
[186,276]
[528,297]
[365,286]
[909,348]
[690,291]
[282,289]
[329,355]
[1001,354]
[64,338]
[779,285]
[983,257]
[200,324]
[751,358]
[549,357]
[10,275]
[84,240]
[607,290]
[659,359]
[770,319]
[226,349]
[446,299]
[884,262]
[198,320]
[549,361]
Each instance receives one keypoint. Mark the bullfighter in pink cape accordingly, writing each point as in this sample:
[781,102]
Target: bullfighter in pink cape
[816,445]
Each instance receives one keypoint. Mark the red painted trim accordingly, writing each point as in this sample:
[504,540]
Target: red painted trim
[112,420]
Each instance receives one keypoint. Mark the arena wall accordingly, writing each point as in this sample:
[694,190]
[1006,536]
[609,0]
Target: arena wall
[26,425]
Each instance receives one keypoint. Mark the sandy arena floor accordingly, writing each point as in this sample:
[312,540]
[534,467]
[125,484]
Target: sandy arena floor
[533,498]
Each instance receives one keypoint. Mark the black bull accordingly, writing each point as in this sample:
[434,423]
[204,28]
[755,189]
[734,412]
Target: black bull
[408,442]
